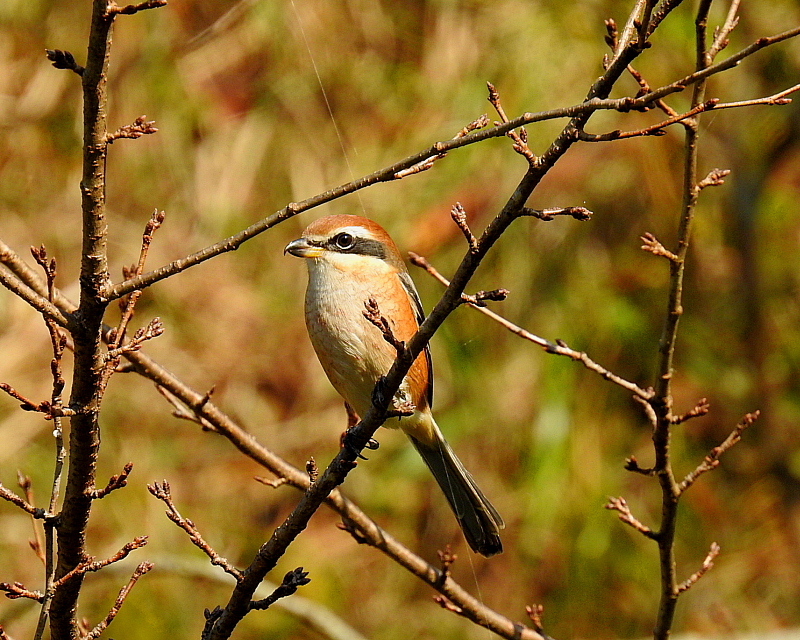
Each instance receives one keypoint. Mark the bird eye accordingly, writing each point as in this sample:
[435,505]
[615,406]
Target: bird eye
[344,241]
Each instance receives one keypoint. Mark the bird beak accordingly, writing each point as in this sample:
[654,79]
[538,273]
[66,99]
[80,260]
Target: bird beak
[302,248]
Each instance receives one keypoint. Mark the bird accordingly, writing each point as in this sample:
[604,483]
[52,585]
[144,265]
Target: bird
[353,262]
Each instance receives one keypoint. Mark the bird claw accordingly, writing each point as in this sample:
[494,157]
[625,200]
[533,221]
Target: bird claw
[347,443]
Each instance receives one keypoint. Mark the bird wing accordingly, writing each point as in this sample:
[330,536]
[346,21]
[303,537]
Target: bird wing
[419,313]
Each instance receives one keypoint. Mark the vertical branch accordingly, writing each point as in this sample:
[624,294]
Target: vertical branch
[662,402]
[84,438]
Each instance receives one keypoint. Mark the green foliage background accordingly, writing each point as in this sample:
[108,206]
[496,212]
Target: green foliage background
[245,129]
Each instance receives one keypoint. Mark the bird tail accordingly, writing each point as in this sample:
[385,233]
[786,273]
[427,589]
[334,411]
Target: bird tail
[479,520]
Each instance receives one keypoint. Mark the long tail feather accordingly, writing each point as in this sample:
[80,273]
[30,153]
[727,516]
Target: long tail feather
[479,520]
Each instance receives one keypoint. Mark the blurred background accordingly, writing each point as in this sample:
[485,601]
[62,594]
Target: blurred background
[236,89]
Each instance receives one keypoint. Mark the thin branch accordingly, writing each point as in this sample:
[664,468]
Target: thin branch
[140,127]
[558,348]
[162,492]
[15,590]
[63,60]
[708,563]
[373,314]
[459,216]
[13,498]
[583,111]
[621,506]
[711,461]
[115,482]
[579,213]
[114,9]
[292,581]
[141,570]
[93,565]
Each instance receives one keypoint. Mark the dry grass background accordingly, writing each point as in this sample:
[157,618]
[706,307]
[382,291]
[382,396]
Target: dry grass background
[244,129]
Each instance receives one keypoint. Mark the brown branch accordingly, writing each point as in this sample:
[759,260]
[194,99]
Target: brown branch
[140,127]
[519,139]
[13,498]
[114,9]
[373,314]
[15,590]
[579,213]
[141,570]
[115,482]
[711,461]
[63,60]
[580,111]
[162,492]
[700,409]
[558,348]
[708,563]
[652,245]
[90,566]
[621,506]
[715,178]
[460,218]
[292,581]
[653,130]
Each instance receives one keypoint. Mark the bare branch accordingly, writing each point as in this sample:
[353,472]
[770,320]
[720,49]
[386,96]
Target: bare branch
[652,245]
[579,213]
[711,461]
[141,570]
[557,348]
[708,563]
[373,314]
[13,498]
[63,60]
[162,492]
[115,482]
[140,127]
[292,581]
[114,9]
[621,506]
[715,178]
[460,218]
[95,565]
[15,590]
[700,409]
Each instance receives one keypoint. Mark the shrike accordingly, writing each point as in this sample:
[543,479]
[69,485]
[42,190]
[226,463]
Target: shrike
[350,260]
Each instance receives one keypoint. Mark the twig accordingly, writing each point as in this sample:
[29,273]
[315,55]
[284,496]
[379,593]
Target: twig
[140,127]
[115,482]
[557,348]
[520,139]
[141,570]
[15,590]
[700,409]
[708,563]
[653,130]
[13,498]
[292,581]
[63,60]
[582,111]
[711,461]
[373,314]
[652,245]
[460,218]
[621,506]
[579,213]
[162,492]
[114,9]
[36,543]
[90,566]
